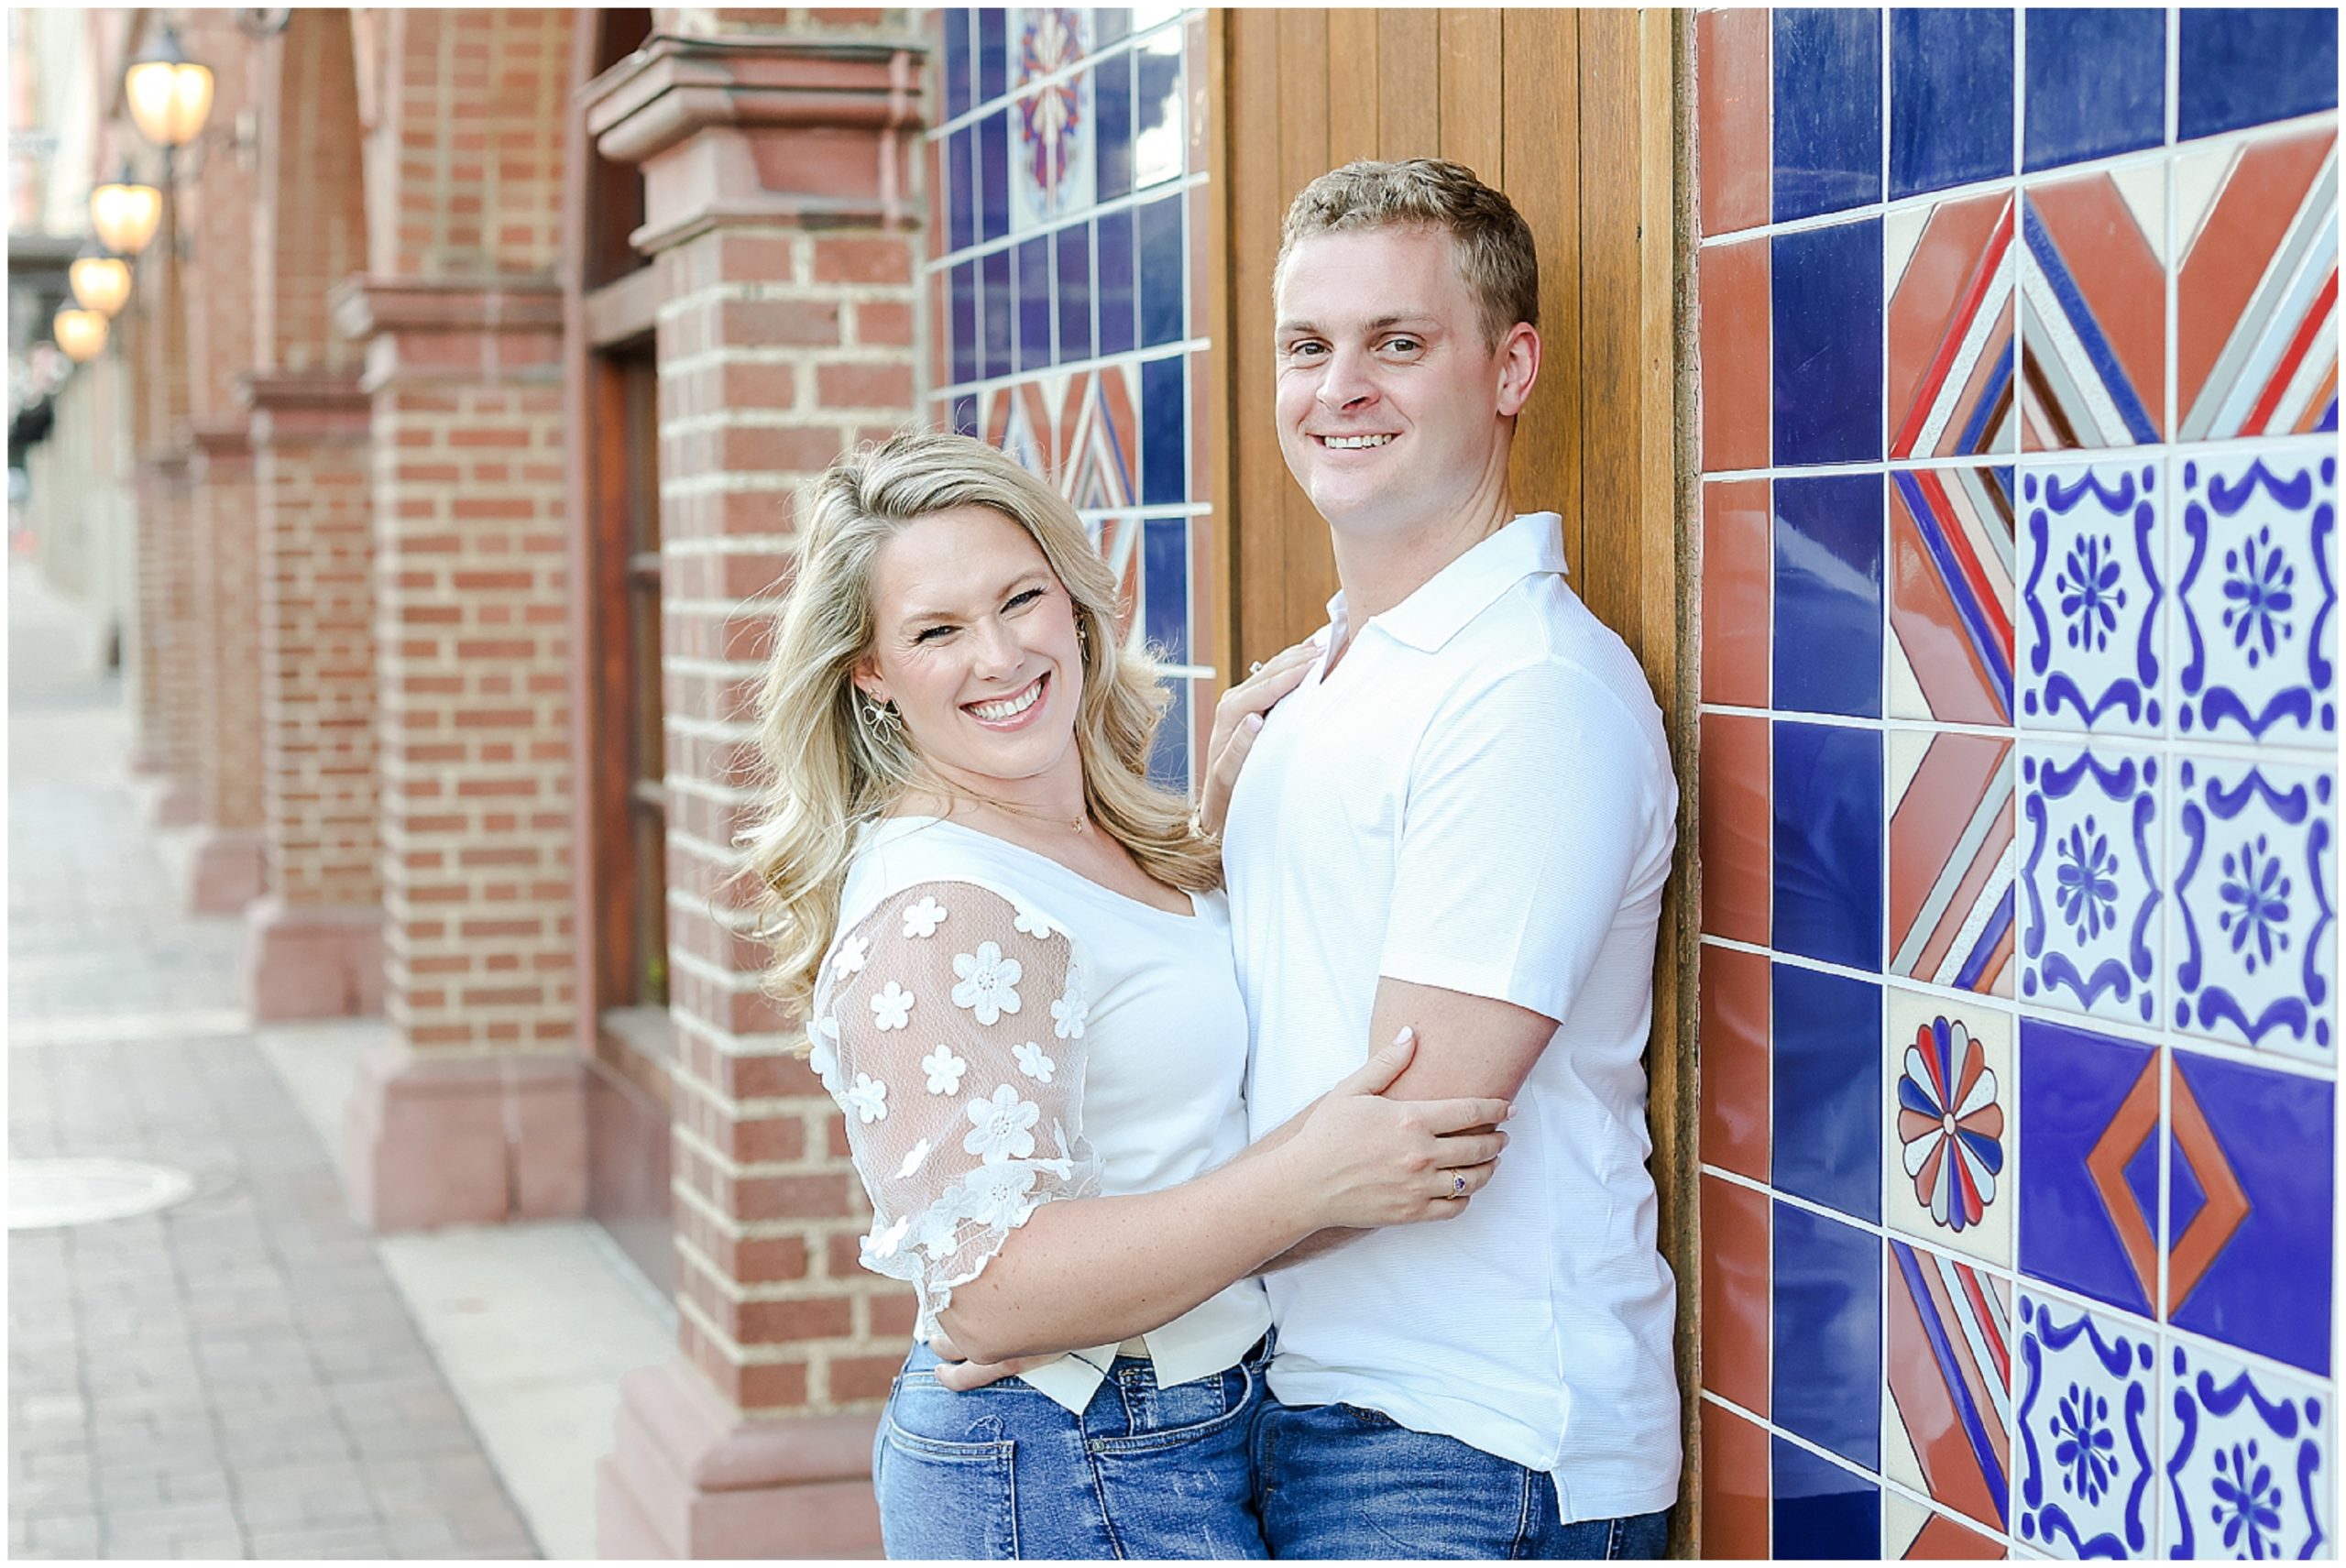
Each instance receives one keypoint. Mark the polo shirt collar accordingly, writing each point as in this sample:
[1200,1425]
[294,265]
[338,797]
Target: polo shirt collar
[1530,544]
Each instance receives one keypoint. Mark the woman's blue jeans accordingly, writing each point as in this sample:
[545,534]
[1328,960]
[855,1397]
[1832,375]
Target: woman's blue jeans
[1006,1472]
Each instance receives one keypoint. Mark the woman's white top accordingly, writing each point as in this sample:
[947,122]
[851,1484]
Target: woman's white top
[1002,1032]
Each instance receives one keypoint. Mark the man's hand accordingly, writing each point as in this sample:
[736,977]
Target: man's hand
[1238,719]
[960,1375]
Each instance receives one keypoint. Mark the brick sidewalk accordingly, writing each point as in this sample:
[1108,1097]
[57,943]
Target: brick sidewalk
[235,1377]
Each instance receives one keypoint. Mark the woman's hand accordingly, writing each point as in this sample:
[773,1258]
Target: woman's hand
[960,1375]
[1238,719]
[1360,1160]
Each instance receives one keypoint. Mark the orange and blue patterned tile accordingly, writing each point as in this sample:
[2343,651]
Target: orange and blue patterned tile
[1952,860]
[2093,312]
[1951,567]
[1947,1399]
[2256,295]
[1951,274]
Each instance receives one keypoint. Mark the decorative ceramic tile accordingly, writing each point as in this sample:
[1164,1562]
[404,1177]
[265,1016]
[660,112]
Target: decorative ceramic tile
[1947,1404]
[1734,1485]
[993,54]
[2097,82]
[1828,831]
[2089,1153]
[2088,1427]
[1164,282]
[1052,172]
[1735,826]
[1820,1510]
[1950,97]
[1948,1073]
[1031,265]
[1952,273]
[1163,414]
[2254,955]
[1827,1362]
[1734,1293]
[2249,1461]
[2251,1201]
[2244,66]
[1737,577]
[1731,116]
[953,28]
[1828,550]
[2256,597]
[1952,558]
[1165,587]
[993,175]
[2093,621]
[997,316]
[1952,860]
[1826,343]
[2256,296]
[1734,281]
[2090,881]
[1827,71]
[961,195]
[1736,1009]
[1912,1533]
[1112,97]
[1113,243]
[1072,281]
[2093,311]
[1825,1061]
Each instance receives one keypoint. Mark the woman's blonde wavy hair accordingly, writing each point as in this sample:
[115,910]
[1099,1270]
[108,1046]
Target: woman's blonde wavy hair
[829,776]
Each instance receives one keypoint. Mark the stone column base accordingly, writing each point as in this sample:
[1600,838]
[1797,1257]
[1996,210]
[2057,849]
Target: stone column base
[228,869]
[429,1141]
[312,962]
[176,803]
[688,1478]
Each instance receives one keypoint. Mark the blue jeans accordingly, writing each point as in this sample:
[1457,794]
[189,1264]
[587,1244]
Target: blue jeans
[1006,1472]
[1336,1481]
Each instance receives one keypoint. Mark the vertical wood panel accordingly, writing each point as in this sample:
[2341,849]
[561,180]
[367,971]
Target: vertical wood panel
[1408,115]
[1352,84]
[1473,131]
[1541,88]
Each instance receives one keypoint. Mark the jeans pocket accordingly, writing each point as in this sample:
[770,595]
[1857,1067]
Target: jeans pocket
[1184,1491]
[946,1477]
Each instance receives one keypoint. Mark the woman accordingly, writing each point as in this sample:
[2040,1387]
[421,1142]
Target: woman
[1016,967]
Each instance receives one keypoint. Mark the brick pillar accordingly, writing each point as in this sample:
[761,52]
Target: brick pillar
[171,707]
[224,872]
[475,1112]
[778,207]
[316,943]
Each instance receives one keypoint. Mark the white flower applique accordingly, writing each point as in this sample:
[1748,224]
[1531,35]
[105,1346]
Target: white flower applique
[944,1069]
[923,918]
[823,1048]
[914,1157]
[987,983]
[1034,1063]
[885,1243]
[1003,1126]
[849,959]
[867,1099]
[994,1195]
[891,1009]
[1070,1010]
[1064,1167]
[1032,921]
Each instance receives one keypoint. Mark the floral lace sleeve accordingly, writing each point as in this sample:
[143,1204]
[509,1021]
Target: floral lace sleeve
[948,1024]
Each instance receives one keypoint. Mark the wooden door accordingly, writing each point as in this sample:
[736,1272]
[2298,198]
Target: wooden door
[1577,115]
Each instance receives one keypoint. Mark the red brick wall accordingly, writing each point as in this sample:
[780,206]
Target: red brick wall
[227,632]
[311,172]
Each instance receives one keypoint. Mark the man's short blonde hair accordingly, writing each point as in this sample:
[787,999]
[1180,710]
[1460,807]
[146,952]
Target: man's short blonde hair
[1493,244]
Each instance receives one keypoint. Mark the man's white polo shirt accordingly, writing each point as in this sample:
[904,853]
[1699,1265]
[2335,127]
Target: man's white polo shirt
[1478,798]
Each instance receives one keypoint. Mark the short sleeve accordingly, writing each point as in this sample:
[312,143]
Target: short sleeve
[1534,813]
[949,1026]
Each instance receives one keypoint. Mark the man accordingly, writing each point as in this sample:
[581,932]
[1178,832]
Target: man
[1461,820]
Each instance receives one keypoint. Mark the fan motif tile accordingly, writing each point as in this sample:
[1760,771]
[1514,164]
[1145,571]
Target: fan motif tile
[2254,959]
[2086,1431]
[2092,622]
[2256,298]
[2090,880]
[1052,170]
[2249,1461]
[1948,1143]
[2256,597]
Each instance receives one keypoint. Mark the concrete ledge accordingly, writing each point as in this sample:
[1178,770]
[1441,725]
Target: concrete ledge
[312,962]
[430,1141]
[688,1478]
[228,869]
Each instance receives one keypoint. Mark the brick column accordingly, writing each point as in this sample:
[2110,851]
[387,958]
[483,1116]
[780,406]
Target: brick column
[316,945]
[170,705]
[224,870]
[475,1113]
[778,206]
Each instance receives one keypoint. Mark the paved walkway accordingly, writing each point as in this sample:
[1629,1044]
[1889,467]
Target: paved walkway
[237,1375]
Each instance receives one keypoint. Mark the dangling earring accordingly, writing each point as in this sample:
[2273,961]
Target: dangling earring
[1083,638]
[880,719]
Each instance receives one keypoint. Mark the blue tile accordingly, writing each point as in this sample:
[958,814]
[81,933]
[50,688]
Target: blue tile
[956,24]
[1112,103]
[965,414]
[2269,1138]
[1826,1110]
[2244,66]
[961,181]
[1825,288]
[1950,98]
[1827,830]
[993,175]
[1164,415]
[2074,1086]
[1114,239]
[1034,303]
[1165,587]
[1109,24]
[2097,84]
[1821,1512]
[1075,292]
[1827,147]
[993,54]
[1828,543]
[997,305]
[1162,278]
[964,293]
[1168,758]
[1157,107]
[1826,1375]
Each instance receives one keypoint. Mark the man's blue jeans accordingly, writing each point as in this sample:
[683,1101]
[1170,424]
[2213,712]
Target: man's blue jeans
[1336,1481]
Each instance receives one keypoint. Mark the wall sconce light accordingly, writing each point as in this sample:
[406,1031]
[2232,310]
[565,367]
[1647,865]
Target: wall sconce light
[125,213]
[170,94]
[102,283]
[80,334]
